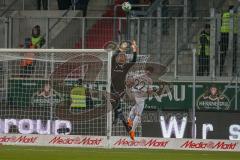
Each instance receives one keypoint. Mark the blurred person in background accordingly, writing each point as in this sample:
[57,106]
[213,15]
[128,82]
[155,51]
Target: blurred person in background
[203,51]
[81,96]
[47,91]
[78,95]
[27,63]
[224,42]
[36,39]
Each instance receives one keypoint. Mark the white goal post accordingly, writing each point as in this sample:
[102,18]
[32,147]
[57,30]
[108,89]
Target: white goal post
[37,86]
[29,74]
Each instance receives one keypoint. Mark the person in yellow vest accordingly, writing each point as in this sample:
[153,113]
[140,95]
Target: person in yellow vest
[37,40]
[203,51]
[78,95]
[225,29]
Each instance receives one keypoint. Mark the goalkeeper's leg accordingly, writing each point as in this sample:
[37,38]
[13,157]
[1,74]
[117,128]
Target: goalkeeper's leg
[118,114]
[128,128]
[117,110]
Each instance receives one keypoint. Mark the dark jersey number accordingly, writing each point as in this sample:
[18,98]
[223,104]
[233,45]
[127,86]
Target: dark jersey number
[139,85]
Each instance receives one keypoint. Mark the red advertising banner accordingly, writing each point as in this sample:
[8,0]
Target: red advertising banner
[120,142]
[221,145]
[175,143]
[124,142]
[53,140]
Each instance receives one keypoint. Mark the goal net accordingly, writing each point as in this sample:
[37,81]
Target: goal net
[40,91]
[42,88]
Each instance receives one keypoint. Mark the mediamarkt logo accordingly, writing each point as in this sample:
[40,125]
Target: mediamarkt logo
[142,142]
[93,141]
[213,99]
[209,145]
[20,139]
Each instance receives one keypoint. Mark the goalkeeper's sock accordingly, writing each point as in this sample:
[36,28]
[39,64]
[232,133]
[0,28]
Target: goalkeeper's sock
[132,135]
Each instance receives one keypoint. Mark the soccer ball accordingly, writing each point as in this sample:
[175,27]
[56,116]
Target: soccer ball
[126,6]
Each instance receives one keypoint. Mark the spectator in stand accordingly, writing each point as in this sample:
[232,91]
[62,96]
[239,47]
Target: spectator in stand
[225,29]
[203,51]
[81,5]
[64,4]
[27,63]
[47,91]
[81,96]
[43,4]
[37,40]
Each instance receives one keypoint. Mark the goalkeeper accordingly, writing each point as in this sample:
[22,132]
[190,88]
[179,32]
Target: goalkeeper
[120,68]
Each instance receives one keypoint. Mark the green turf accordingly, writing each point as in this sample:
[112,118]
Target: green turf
[53,153]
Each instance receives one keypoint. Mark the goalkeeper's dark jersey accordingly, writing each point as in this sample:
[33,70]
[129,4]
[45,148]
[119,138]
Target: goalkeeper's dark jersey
[119,73]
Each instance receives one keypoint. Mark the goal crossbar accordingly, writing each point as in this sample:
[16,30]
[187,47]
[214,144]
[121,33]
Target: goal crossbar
[46,88]
[23,50]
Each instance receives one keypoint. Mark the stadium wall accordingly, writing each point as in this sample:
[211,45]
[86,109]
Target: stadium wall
[119,142]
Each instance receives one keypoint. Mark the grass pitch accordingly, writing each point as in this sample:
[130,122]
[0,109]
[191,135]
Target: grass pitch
[59,153]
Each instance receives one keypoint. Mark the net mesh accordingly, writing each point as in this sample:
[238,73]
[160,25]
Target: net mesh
[41,86]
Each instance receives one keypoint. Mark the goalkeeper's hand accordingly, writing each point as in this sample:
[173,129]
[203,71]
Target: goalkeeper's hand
[134,46]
